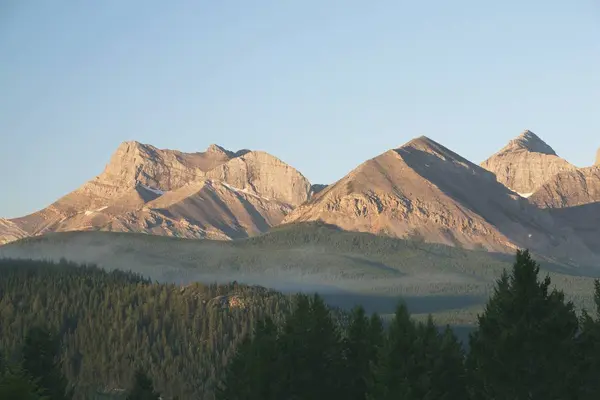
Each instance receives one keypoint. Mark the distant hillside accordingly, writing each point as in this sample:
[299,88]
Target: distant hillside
[346,267]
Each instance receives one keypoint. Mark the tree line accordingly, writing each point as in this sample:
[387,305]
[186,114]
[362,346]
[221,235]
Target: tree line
[115,330]
[529,345]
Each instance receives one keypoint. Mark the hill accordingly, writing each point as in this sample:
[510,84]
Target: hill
[111,323]
[347,268]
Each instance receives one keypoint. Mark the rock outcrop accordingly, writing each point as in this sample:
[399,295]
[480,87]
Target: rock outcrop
[569,188]
[526,163]
[204,210]
[597,158]
[10,232]
[423,189]
[264,175]
[251,191]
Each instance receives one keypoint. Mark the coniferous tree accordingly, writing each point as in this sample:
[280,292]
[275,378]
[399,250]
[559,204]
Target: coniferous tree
[310,353]
[252,371]
[15,384]
[524,347]
[41,352]
[360,351]
[143,387]
[392,369]
[443,374]
[588,351]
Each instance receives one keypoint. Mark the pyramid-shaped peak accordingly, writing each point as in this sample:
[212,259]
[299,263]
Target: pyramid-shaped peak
[426,145]
[529,141]
[215,148]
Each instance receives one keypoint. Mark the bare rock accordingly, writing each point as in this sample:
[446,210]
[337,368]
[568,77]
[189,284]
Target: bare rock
[9,231]
[569,188]
[264,175]
[526,163]
[425,188]
[251,191]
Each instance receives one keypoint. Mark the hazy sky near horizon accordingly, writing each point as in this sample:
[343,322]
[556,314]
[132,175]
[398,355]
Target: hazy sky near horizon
[323,85]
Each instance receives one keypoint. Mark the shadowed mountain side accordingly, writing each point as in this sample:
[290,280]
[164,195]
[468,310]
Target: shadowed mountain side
[584,220]
[424,189]
[203,210]
[122,197]
[569,188]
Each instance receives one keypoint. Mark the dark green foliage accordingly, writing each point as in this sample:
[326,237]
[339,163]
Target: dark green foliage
[261,345]
[361,348]
[251,373]
[41,351]
[310,353]
[18,385]
[524,347]
[143,388]
[110,323]
[588,352]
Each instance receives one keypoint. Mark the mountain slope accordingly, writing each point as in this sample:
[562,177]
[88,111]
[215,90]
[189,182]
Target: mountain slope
[9,231]
[569,188]
[525,163]
[207,209]
[425,189]
[121,197]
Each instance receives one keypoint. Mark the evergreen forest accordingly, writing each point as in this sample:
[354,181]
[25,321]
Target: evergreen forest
[79,332]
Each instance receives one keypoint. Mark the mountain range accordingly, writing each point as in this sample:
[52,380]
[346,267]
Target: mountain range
[525,195]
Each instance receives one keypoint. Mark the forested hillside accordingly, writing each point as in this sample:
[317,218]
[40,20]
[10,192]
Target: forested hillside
[117,335]
[113,322]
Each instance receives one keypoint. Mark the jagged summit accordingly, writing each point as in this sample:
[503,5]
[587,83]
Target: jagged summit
[597,157]
[529,141]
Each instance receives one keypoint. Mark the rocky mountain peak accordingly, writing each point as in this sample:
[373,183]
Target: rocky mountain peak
[525,163]
[529,141]
[215,148]
[423,151]
[597,157]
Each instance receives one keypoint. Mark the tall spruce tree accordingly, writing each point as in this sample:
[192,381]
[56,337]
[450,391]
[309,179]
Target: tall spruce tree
[360,352]
[16,384]
[41,352]
[392,369]
[252,372]
[310,358]
[588,352]
[142,388]
[524,347]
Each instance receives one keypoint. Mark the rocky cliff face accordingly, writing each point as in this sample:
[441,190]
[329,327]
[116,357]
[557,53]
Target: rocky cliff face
[424,189]
[9,231]
[525,164]
[262,174]
[569,188]
[251,191]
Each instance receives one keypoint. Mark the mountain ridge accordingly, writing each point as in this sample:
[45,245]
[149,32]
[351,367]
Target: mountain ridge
[423,187]
[123,196]
[419,189]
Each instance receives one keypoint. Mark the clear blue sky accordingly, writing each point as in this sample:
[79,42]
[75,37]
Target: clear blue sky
[321,84]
